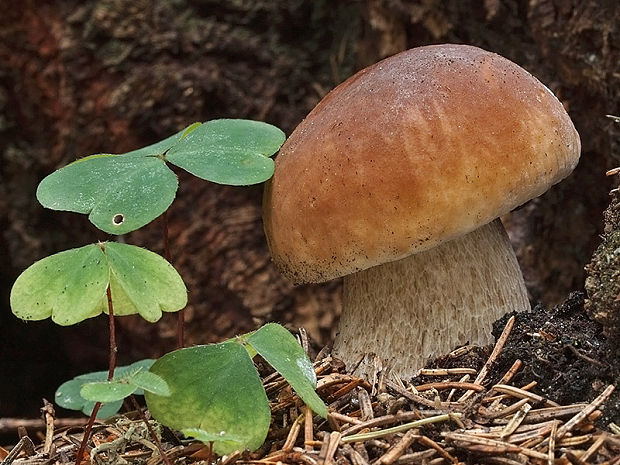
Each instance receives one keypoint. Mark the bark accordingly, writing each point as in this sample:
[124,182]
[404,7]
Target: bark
[603,275]
[83,77]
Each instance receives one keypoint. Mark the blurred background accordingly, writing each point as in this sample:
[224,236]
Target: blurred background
[82,77]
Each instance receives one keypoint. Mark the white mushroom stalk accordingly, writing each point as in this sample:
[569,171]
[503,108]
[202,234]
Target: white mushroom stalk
[399,314]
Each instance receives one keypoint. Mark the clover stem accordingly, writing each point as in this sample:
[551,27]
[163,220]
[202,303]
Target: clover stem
[87,430]
[164,221]
[112,330]
[180,313]
[112,366]
[160,448]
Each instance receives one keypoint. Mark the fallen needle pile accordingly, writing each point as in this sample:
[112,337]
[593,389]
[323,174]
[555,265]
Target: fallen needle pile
[448,420]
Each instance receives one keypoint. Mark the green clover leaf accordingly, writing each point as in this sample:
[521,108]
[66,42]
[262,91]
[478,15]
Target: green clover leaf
[123,192]
[70,286]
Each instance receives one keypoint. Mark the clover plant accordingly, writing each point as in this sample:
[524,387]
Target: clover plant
[212,392]
[76,394]
[216,388]
[121,193]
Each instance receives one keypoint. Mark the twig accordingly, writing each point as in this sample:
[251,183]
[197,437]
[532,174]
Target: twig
[396,429]
[446,371]
[550,413]
[504,380]
[332,446]
[399,448]
[48,414]
[493,445]
[23,443]
[464,379]
[422,400]
[449,385]
[9,425]
[293,434]
[417,457]
[345,418]
[594,447]
[366,412]
[426,441]
[584,357]
[391,419]
[499,346]
[337,378]
[515,421]
[552,436]
[345,389]
[355,456]
[596,403]
[574,459]
[308,430]
[511,372]
[522,394]
[505,411]
[231,458]
[570,441]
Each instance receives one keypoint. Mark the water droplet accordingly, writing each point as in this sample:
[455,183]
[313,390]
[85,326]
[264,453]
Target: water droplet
[307,369]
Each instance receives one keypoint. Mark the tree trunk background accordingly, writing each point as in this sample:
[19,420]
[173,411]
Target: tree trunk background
[81,77]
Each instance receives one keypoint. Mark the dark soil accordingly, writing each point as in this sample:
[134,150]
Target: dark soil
[562,349]
[565,352]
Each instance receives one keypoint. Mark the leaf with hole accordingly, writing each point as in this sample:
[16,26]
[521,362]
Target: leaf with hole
[68,395]
[123,192]
[282,351]
[215,388]
[71,286]
[119,193]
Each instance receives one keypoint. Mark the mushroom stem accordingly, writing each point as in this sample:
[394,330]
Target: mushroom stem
[432,301]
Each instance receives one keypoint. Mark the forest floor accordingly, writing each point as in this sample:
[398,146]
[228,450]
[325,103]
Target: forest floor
[544,394]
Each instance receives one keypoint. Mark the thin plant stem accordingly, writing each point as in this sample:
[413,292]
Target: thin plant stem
[111,368]
[89,427]
[112,328]
[164,222]
[180,313]
[160,448]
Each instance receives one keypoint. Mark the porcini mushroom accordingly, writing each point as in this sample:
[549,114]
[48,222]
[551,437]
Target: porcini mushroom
[396,180]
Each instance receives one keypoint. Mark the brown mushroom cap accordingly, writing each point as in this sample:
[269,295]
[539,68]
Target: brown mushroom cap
[416,150]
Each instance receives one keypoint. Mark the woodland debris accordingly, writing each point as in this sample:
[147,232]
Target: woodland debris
[492,422]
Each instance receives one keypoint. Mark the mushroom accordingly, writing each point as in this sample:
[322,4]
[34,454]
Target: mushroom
[396,181]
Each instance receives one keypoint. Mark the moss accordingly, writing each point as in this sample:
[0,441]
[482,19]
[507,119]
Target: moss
[603,274]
